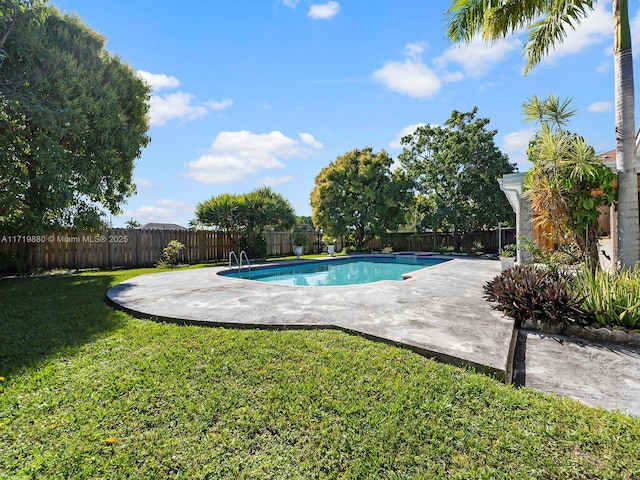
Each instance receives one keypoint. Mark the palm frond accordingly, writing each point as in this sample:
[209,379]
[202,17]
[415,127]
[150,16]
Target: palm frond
[551,29]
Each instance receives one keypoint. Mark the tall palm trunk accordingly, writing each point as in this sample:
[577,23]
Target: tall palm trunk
[628,216]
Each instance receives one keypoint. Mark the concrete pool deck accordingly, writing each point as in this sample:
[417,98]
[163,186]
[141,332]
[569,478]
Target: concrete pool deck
[439,312]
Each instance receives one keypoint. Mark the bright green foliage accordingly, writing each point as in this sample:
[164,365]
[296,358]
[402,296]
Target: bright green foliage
[170,254]
[455,170]
[250,214]
[568,185]
[263,209]
[614,299]
[72,121]
[358,197]
[131,223]
[546,22]
[221,212]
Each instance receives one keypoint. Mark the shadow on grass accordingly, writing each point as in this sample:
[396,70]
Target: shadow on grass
[42,317]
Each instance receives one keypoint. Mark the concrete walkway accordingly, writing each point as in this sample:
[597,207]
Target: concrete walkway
[439,312]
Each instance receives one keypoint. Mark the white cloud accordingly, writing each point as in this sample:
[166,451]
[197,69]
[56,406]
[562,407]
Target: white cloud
[515,144]
[477,57]
[274,181]
[308,139]
[234,155]
[403,133]
[177,204]
[174,105]
[150,213]
[227,102]
[413,77]
[414,50]
[410,77]
[600,107]
[163,211]
[597,27]
[142,182]
[169,106]
[290,3]
[158,81]
[324,11]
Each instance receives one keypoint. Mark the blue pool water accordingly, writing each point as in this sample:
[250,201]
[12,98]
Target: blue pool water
[347,271]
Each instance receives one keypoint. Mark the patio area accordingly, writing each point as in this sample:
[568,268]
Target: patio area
[439,312]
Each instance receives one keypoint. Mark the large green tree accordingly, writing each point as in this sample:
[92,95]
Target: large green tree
[455,168]
[73,119]
[546,23]
[358,196]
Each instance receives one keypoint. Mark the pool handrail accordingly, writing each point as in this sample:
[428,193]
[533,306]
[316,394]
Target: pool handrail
[246,257]
[233,255]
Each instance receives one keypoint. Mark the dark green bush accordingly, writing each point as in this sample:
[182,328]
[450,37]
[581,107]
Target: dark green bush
[529,292]
[9,263]
[254,244]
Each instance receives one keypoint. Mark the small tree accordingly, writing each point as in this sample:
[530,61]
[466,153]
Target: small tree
[170,254]
[454,170]
[131,223]
[568,185]
[249,214]
[358,196]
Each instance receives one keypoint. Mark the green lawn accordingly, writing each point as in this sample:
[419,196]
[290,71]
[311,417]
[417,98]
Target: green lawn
[88,392]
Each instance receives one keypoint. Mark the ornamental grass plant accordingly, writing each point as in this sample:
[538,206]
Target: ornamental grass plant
[612,298]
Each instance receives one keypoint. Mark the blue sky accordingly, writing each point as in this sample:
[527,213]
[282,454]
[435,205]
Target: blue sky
[268,92]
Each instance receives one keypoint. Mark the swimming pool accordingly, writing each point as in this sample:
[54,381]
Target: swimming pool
[335,272]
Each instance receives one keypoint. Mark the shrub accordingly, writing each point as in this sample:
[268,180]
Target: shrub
[553,259]
[477,248]
[509,251]
[445,249]
[613,299]
[254,244]
[170,254]
[529,292]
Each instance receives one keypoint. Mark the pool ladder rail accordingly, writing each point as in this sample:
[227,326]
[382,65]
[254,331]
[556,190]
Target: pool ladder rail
[233,255]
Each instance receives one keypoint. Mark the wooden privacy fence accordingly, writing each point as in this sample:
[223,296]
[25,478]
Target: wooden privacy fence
[486,240]
[123,247]
[116,247]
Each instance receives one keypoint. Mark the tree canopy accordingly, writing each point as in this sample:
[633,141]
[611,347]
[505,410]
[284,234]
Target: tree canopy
[357,196]
[455,168]
[73,119]
[249,214]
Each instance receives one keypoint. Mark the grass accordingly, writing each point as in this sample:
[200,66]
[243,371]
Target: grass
[88,392]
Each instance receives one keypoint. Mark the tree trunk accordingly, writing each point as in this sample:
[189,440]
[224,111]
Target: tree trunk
[628,216]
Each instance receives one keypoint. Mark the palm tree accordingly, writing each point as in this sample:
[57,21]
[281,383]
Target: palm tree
[546,23]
